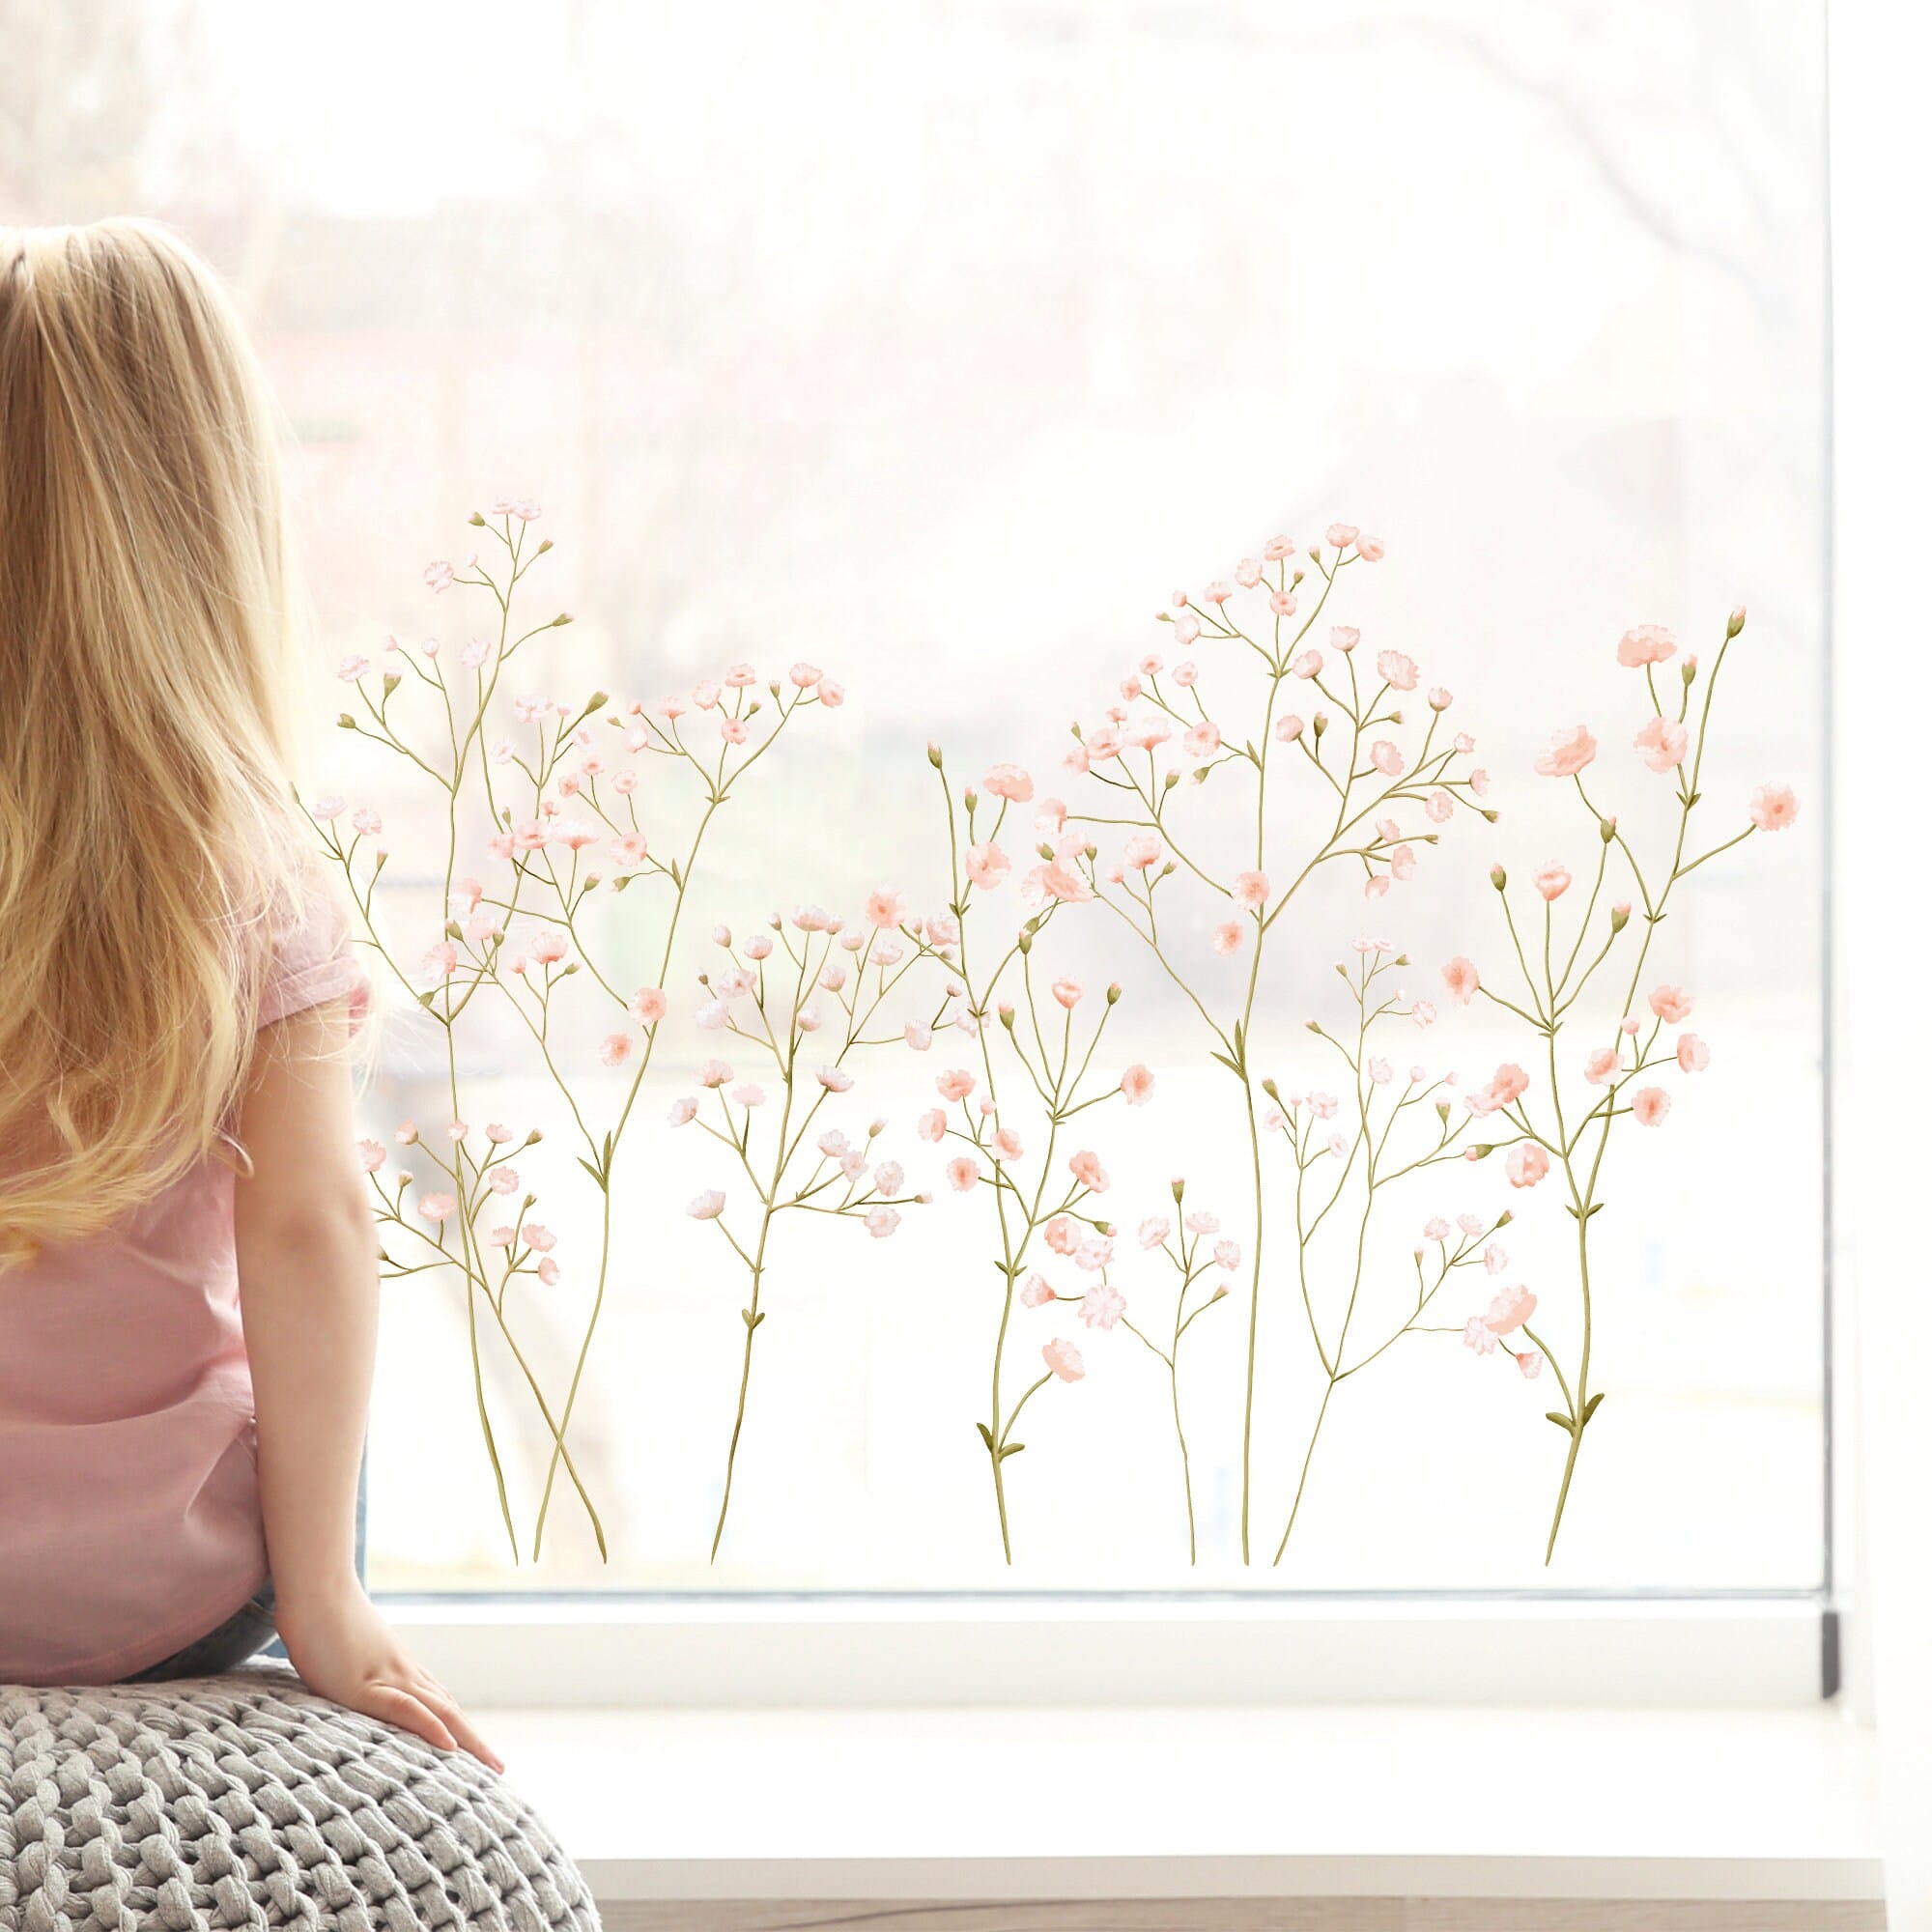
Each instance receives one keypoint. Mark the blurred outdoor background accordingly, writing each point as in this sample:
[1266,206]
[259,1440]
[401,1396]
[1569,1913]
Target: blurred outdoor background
[937,342]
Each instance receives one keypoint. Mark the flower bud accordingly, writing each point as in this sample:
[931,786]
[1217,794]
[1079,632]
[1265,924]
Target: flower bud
[1482,1151]
[598,700]
[1169,782]
[1505,1218]
[1007,1015]
[1114,993]
[1321,722]
[1395,717]
[970,799]
[1498,879]
[1106,1227]
[453,929]
[1178,1186]
[347,723]
[534,1135]
[561,618]
[592,881]
[1607,830]
[1736,622]
[390,680]
[1025,940]
[1315,1026]
[1620,915]
[476,518]
[544,546]
[721,935]
[1271,1089]
[1688,671]
[1442,1110]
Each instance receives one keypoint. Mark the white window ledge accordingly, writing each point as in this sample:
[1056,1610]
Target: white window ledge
[1325,1801]
[766,1653]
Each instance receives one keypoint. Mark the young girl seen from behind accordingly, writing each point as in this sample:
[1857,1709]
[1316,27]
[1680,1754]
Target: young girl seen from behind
[187,1261]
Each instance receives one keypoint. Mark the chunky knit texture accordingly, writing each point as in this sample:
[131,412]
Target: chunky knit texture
[242,1800]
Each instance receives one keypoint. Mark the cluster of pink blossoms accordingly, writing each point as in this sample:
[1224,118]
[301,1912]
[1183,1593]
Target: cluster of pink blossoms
[479,1176]
[1663,741]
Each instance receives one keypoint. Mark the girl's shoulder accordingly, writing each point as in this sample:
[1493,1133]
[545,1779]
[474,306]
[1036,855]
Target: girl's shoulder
[312,955]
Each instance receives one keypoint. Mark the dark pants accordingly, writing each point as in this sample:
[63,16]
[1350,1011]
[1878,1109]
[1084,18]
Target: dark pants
[228,1645]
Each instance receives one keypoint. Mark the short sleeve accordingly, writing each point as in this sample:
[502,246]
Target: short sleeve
[312,958]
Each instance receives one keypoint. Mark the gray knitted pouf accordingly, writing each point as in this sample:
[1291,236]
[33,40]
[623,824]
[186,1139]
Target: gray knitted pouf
[243,1801]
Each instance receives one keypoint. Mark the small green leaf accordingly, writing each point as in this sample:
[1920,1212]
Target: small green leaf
[595,1172]
[1229,1064]
[985,1433]
[1596,1207]
[1590,1407]
[1561,1421]
[752,1320]
[1011,1449]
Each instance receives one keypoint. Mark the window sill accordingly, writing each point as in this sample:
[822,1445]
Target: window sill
[1292,1802]
[889,1652]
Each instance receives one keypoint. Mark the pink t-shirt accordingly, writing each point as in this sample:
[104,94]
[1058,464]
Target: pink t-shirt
[130,1519]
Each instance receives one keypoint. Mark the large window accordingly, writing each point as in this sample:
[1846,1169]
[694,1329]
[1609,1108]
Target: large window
[934,345]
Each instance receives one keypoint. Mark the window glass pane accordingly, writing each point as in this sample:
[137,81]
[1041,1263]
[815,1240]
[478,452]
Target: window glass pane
[934,345]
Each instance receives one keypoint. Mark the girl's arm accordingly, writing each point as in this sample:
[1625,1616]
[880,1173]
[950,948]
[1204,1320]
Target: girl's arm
[306,1248]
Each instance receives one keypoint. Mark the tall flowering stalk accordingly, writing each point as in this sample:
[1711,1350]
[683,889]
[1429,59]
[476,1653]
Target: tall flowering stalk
[1349,1155]
[1035,1038]
[1198,1253]
[1630,1041]
[564,835]
[1368,753]
[801,996]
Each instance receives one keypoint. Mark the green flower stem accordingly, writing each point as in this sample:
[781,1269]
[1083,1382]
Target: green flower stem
[1583,1201]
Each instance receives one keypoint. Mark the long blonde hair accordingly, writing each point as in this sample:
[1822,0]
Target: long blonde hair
[148,838]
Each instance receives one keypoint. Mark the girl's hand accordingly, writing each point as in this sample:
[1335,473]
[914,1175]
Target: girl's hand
[344,1651]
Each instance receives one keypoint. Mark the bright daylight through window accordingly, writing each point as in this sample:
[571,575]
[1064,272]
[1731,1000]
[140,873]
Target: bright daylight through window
[1356,1094]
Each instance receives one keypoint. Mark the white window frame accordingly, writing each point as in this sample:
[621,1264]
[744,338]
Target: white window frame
[768,1651]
